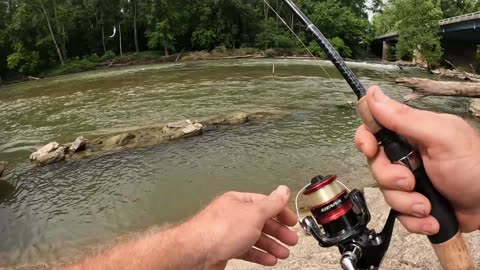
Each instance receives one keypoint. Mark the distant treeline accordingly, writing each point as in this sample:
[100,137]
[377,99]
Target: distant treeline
[36,35]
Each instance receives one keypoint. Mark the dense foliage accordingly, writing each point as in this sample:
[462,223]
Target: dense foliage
[416,22]
[75,35]
[39,34]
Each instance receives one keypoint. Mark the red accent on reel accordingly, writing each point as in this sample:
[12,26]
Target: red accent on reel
[336,214]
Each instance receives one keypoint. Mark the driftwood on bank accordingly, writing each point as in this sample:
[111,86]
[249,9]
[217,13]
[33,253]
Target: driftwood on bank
[425,87]
[456,74]
[140,136]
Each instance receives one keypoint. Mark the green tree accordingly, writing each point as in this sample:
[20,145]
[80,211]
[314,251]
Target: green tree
[416,22]
[346,20]
[452,8]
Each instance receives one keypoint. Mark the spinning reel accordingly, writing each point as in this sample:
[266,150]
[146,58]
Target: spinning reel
[340,218]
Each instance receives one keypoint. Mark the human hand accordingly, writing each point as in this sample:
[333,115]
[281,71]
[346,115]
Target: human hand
[450,150]
[244,226]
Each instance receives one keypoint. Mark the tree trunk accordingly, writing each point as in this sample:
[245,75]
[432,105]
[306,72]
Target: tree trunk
[103,40]
[425,87]
[135,26]
[64,43]
[166,48]
[120,38]
[60,31]
[59,52]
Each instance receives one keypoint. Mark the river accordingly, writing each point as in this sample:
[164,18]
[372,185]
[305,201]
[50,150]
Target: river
[63,210]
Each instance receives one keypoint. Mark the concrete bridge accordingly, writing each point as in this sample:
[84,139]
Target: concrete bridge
[460,40]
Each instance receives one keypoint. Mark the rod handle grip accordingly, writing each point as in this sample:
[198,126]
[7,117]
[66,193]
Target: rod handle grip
[453,254]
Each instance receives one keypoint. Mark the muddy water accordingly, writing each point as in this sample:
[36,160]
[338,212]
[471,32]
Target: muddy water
[62,210]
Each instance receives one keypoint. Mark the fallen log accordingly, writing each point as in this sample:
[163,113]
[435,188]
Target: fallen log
[426,87]
[456,74]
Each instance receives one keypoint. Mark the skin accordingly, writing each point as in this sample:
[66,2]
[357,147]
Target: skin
[450,149]
[235,226]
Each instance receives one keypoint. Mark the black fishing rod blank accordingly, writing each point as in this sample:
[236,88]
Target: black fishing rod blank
[332,54]
[448,243]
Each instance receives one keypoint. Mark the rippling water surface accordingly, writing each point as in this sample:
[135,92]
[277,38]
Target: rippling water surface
[62,210]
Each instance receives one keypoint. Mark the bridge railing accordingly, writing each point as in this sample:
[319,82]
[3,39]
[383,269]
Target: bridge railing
[461,18]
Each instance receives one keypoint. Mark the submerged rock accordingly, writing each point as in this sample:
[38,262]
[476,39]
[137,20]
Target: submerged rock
[118,141]
[3,166]
[48,154]
[143,136]
[230,119]
[78,145]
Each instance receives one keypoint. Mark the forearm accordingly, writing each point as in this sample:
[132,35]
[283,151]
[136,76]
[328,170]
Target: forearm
[177,248]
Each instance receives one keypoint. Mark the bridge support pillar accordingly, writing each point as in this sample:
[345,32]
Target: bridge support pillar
[462,55]
[386,51]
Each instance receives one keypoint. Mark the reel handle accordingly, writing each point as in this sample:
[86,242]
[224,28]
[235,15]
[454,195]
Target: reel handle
[448,243]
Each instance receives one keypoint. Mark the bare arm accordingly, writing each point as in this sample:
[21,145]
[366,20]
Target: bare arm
[235,226]
[177,248]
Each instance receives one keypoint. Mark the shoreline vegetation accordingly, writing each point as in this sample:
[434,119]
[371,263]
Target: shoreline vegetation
[110,60]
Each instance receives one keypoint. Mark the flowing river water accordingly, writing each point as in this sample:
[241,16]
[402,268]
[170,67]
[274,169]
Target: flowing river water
[62,210]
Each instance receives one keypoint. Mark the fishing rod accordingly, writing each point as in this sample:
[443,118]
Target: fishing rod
[333,205]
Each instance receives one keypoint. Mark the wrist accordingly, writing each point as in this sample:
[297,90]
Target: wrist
[194,241]
[200,235]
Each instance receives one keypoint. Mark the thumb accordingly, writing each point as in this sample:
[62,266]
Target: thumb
[420,126]
[274,204]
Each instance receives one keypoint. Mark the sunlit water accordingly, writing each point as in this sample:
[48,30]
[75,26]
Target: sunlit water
[62,210]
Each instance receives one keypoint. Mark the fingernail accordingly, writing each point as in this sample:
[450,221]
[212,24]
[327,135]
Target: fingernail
[281,190]
[379,96]
[420,210]
[403,185]
[428,229]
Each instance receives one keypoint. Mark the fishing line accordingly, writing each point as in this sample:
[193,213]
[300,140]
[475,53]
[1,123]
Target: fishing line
[317,61]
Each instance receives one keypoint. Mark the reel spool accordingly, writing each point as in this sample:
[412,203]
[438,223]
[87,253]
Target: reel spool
[340,218]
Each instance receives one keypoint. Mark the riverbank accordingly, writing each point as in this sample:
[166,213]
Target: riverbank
[110,60]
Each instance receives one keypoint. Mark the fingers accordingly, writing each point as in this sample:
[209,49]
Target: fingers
[275,204]
[273,247]
[279,198]
[280,232]
[259,257]
[419,126]
[366,142]
[391,176]
[428,225]
[287,217]
[408,203]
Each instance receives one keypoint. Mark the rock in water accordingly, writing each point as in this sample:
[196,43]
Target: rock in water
[230,119]
[474,108]
[3,166]
[78,145]
[50,153]
[236,118]
[118,141]
[192,129]
[179,124]
[182,129]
